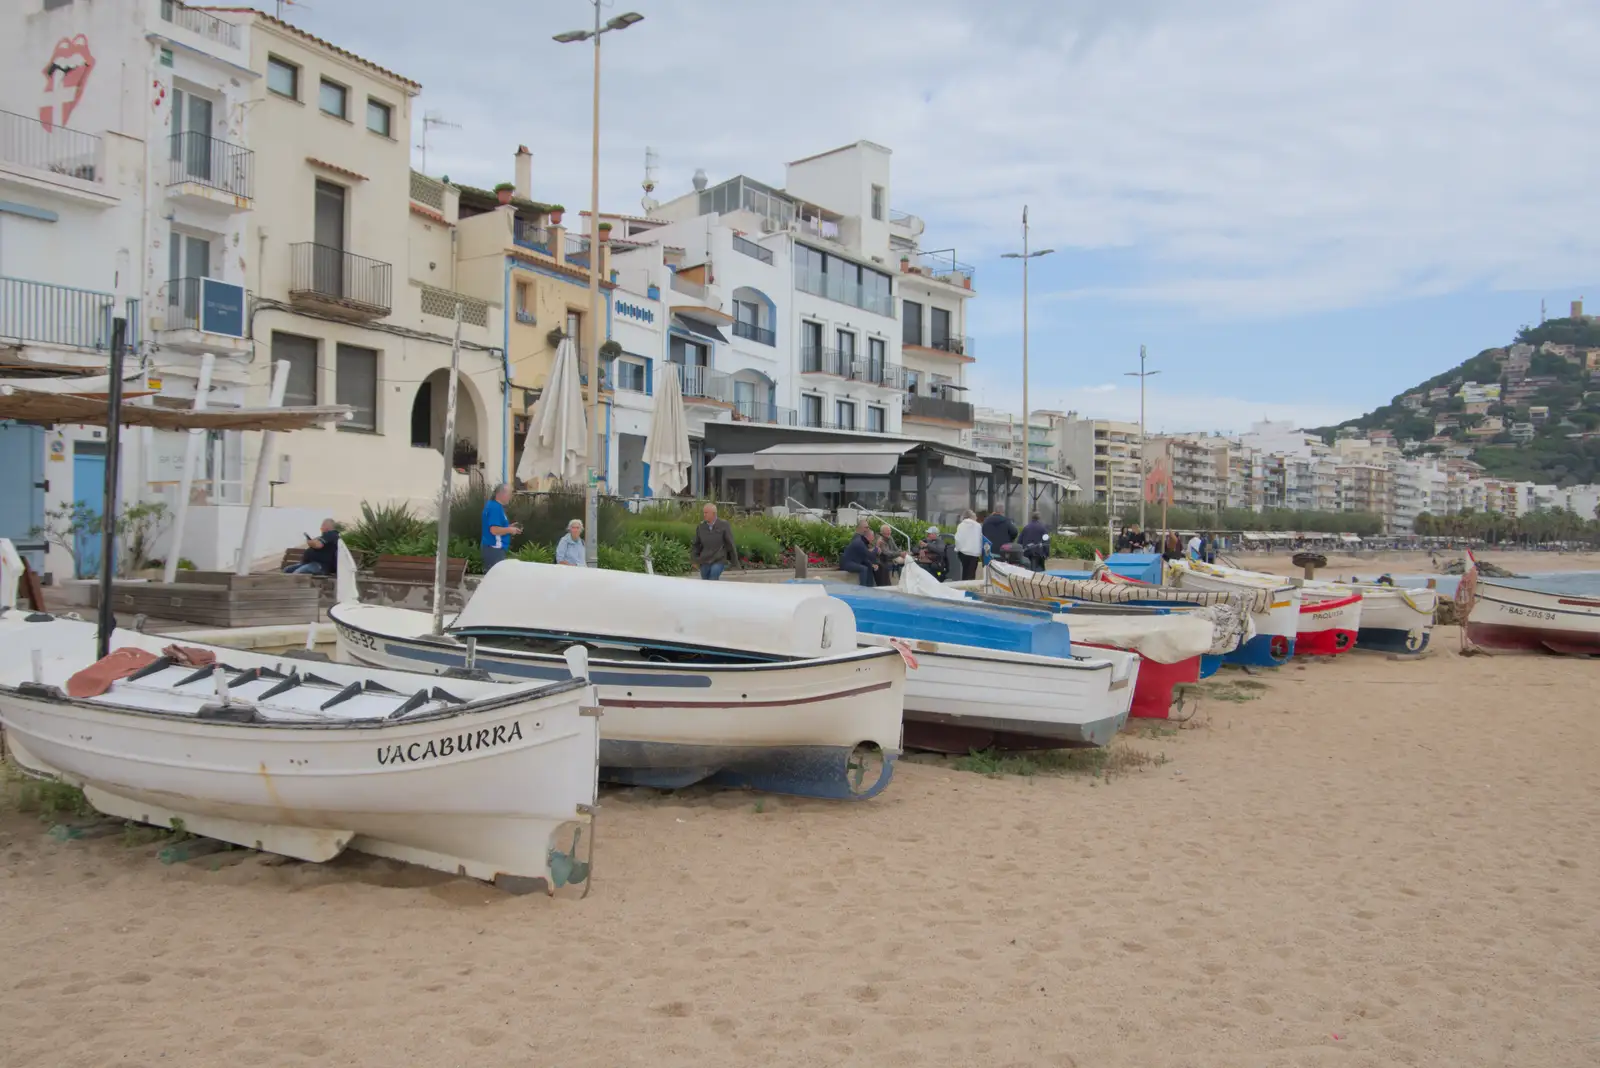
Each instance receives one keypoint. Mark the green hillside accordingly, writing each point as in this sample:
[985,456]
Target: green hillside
[1558,445]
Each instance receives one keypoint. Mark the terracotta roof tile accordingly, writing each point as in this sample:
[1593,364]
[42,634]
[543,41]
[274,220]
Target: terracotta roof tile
[335,168]
[298,32]
[428,213]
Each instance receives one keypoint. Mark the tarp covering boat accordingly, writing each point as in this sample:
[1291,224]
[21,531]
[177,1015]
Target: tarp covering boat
[777,620]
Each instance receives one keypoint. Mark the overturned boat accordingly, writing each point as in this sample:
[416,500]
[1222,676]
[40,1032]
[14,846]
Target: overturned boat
[308,759]
[733,684]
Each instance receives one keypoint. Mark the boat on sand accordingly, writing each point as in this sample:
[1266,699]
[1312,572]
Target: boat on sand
[735,684]
[1553,614]
[308,759]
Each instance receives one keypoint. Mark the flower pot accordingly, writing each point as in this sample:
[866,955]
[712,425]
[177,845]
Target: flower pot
[555,218]
[605,234]
[504,195]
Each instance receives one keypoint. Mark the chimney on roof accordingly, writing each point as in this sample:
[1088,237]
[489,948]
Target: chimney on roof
[524,181]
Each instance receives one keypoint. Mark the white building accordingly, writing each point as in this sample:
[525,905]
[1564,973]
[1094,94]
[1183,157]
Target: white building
[1103,456]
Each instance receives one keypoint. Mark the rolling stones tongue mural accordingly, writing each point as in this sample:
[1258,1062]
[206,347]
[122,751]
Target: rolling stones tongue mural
[66,77]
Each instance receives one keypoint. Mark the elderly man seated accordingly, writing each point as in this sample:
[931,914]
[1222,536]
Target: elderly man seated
[932,554]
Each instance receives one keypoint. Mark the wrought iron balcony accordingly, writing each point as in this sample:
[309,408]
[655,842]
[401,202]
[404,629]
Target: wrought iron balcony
[702,383]
[24,142]
[759,334]
[956,346]
[763,412]
[529,236]
[849,365]
[208,26]
[340,281]
[209,161]
[46,314]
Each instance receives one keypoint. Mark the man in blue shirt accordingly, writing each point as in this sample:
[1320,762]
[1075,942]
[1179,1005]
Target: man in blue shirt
[497,529]
[569,550]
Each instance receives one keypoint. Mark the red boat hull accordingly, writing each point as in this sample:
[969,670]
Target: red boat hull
[1323,639]
[1152,691]
[1532,639]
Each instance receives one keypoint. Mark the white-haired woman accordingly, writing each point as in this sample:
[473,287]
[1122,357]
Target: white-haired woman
[569,550]
[969,544]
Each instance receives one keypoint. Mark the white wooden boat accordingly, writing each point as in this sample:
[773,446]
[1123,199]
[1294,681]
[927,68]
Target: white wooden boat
[1543,615]
[1392,619]
[308,759]
[737,684]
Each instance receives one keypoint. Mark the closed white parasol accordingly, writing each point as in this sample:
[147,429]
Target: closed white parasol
[558,434]
[667,449]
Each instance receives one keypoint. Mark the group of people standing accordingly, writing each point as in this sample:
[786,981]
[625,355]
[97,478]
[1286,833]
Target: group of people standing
[1170,545]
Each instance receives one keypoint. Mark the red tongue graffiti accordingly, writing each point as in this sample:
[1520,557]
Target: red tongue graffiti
[66,77]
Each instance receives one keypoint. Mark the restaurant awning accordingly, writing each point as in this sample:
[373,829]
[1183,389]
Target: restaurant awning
[702,326]
[834,457]
[1036,475]
[965,464]
[733,459]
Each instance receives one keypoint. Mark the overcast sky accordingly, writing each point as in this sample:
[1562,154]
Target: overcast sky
[1301,206]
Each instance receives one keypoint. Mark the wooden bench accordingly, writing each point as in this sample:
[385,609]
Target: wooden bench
[291,557]
[418,569]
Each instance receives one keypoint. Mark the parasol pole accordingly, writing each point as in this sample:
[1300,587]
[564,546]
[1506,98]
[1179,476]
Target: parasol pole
[441,557]
[108,513]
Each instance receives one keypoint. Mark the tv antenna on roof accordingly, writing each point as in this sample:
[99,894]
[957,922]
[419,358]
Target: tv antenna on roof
[429,121]
[291,3]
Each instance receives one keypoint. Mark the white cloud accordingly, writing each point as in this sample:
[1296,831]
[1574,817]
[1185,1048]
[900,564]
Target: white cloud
[1254,157]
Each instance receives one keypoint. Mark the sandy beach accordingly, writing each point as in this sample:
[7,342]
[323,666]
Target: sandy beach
[1367,862]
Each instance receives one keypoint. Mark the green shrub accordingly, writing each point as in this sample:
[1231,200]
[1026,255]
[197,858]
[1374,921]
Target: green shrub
[1077,548]
[756,545]
[668,556]
[470,550]
[530,553]
[823,539]
[620,558]
[382,527]
[678,530]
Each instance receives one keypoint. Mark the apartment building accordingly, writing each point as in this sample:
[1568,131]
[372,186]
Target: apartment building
[125,188]
[1198,466]
[935,348]
[1104,456]
[998,435]
[357,283]
[1365,487]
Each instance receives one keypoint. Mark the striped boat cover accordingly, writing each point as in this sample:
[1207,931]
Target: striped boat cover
[1035,586]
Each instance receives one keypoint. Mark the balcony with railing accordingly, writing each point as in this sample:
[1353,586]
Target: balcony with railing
[751,411]
[41,313]
[751,249]
[26,144]
[836,287]
[209,170]
[534,238]
[751,332]
[944,266]
[955,346]
[702,383]
[854,366]
[200,22]
[340,282]
[916,406]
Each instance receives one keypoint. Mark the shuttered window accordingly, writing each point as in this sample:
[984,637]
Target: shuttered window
[356,384]
[301,355]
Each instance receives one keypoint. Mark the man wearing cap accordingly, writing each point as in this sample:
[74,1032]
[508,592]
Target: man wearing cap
[931,555]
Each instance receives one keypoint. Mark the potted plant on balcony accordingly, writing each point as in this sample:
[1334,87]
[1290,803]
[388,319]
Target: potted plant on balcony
[466,455]
[504,191]
[610,350]
[555,337]
[605,231]
[556,213]
[905,263]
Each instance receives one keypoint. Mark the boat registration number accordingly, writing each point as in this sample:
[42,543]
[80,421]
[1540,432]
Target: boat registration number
[355,637]
[1531,613]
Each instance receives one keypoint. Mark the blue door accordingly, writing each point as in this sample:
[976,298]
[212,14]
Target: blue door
[22,489]
[89,489]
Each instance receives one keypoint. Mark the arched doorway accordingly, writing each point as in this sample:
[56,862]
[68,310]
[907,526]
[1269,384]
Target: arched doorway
[428,416]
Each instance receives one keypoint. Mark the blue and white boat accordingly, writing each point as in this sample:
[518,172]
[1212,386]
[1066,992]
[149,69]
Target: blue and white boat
[985,677]
[730,683]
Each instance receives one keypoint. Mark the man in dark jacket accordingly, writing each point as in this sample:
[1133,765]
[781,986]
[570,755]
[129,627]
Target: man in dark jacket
[713,549]
[998,531]
[859,557]
[322,552]
[1034,533]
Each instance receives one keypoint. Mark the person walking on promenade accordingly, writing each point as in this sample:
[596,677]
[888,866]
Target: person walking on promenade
[497,529]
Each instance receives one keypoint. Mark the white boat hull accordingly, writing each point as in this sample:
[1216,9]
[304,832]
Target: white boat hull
[1510,617]
[960,697]
[1276,626]
[823,727]
[491,792]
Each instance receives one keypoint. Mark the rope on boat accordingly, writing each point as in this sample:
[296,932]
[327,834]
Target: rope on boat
[1466,598]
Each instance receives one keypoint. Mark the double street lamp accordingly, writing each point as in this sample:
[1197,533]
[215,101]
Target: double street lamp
[1141,374]
[597,442]
[1025,256]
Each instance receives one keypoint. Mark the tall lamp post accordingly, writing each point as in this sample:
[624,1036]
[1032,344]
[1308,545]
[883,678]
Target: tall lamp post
[1141,374]
[597,441]
[1025,256]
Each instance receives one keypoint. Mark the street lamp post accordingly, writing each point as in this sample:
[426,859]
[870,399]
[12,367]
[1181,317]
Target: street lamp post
[1025,256]
[597,441]
[1141,374]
